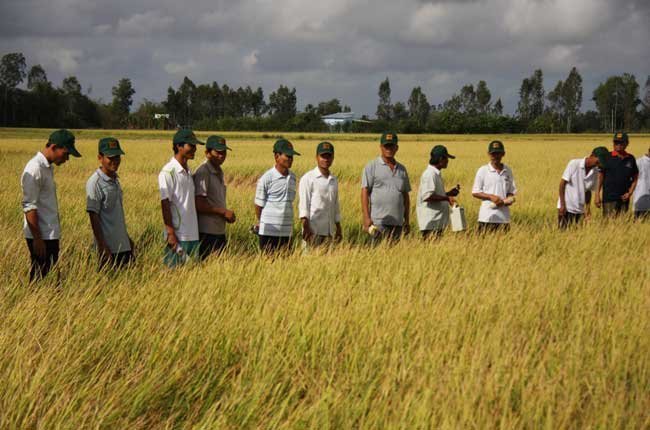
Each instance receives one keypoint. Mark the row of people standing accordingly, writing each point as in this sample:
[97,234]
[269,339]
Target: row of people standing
[195,213]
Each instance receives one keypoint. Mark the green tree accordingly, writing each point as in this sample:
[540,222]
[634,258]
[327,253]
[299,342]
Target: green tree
[12,73]
[531,97]
[329,107]
[384,108]
[498,107]
[617,101]
[282,103]
[36,77]
[483,97]
[419,107]
[122,99]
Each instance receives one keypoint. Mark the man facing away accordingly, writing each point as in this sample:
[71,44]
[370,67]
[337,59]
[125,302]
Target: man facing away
[617,179]
[318,206]
[385,188]
[494,184]
[104,207]
[41,225]
[210,191]
[578,181]
[433,201]
[177,201]
[274,196]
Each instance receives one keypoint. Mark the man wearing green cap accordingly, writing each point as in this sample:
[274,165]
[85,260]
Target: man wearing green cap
[385,188]
[104,207]
[617,179]
[41,223]
[578,181]
[642,190]
[494,184]
[274,195]
[177,200]
[318,204]
[433,203]
[210,192]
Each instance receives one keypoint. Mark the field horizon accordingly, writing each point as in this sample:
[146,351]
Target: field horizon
[534,328]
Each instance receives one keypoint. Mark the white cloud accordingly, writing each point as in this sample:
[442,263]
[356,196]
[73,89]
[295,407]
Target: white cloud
[66,60]
[102,29]
[429,24]
[249,61]
[181,69]
[562,57]
[144,24]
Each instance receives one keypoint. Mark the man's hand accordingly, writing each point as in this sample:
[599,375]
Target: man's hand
[454,191]
[496,200]
[561,211]
[406,228]
[451,200]
[338,236]
[229,216]
[597,201]
[625,197]
[172,241]
[39,247]
[367,222]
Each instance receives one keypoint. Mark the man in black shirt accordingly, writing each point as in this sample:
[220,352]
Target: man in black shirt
[617,179]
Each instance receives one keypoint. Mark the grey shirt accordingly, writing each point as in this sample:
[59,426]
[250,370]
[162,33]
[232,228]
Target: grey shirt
[386,188]
[209,183]
[104,197]
[39,193]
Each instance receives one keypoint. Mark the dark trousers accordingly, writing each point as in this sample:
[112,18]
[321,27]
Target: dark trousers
[211,243]
[432,234]
[564,221]
[618,207]
[274,243]
[491,227]
[117,261]
[40,266]
[642,215]
[392,233]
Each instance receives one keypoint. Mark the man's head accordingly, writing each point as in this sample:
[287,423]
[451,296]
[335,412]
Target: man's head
[216,150]
[439,157]
[621,140]
[388,145]
[60,146]
[184,143]
[325,155]
[598,157]
[109,155]
[283,152]
[496,151]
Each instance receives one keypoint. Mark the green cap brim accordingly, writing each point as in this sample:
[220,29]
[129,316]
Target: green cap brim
[450,156]
[113,152]
[73,151]
[220,148]
[291,152]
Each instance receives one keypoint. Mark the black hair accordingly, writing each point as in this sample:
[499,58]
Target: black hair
[435,160]
[48,144]
[175,147]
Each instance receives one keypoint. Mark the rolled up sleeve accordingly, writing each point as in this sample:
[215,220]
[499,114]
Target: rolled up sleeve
[164,185]
[304,198]
[31,191]
[261,192]
[93,197]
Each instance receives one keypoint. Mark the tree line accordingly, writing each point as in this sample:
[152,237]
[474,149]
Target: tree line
[619,100]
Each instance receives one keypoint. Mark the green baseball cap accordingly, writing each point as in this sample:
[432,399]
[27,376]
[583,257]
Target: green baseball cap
[185,135]
[621,137]
[496,146]
[388,138]
[64,139]
[283,146]
[440,151]
[602,153]
[325,148]
[110,147]
[217,143]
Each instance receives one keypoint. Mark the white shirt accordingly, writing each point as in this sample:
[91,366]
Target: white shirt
[577,184]
[319,202]
[432,215]
[275,194]
[642,190]
[39,193]
[176,185]
[502,183]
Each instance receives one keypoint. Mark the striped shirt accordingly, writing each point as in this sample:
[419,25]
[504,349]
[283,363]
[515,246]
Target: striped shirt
[275,194]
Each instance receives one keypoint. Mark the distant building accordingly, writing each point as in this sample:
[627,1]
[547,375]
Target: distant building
[341,118]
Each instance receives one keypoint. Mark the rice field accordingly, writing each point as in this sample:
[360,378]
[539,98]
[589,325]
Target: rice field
[532,329]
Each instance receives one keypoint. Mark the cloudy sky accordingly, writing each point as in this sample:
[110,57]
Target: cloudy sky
[335,48]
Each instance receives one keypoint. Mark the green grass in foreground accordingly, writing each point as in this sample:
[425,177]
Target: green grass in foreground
[532,329]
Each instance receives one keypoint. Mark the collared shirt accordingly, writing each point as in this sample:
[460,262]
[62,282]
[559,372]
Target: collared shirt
[39,193]
[319,202]
[642,190]
[104,197]
[620,171]
[502,183]
[432,215]
[176,185]
[386,188]
[275,194]
[209,183]
[578,182]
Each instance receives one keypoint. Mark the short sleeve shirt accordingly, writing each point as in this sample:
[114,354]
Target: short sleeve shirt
[209,183]
[275,194]
[432,215]
[488,180]
[319,202]
[104,197]
[578,182]
[619,173]
[386,188]
[642,190]
[176,185]
[39,193]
